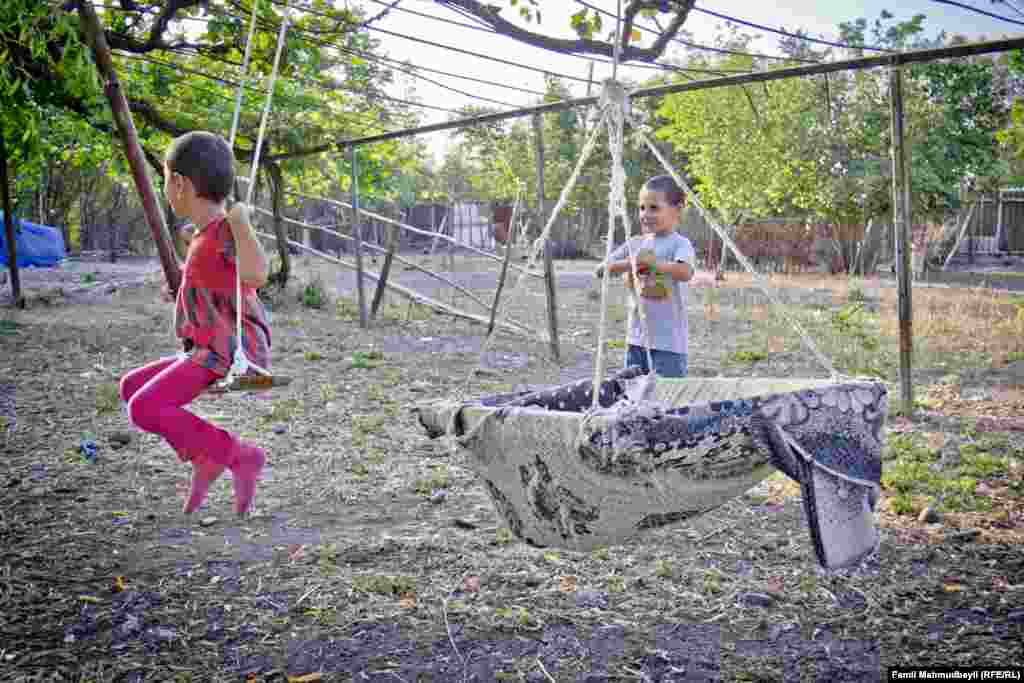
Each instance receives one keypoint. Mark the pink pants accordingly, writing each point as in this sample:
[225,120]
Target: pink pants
[155,394]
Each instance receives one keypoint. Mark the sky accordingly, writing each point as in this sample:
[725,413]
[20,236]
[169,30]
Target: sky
[818,19]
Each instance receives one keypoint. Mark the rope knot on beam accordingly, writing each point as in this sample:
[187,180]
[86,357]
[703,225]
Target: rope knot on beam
[615,98]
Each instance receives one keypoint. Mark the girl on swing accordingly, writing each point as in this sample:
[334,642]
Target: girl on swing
[198,177]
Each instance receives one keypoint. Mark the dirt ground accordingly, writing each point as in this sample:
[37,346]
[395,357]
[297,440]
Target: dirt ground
[374,554]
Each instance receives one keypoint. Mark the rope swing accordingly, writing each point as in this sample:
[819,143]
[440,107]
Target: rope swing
[244,375]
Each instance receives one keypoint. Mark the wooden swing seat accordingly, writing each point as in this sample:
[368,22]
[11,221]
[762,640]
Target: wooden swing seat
[251,383]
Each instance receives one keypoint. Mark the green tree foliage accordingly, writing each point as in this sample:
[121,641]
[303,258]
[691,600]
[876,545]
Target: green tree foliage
[179,63]
[820,145]
[44,68]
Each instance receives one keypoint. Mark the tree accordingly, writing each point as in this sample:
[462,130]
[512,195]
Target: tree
[178,62]
[44,67]
[587,23]
[821,144]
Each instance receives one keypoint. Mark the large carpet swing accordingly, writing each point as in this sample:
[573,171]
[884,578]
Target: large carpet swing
[568,467]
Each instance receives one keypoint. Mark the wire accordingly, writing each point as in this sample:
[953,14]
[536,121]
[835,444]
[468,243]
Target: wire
[696,46]
[759,27]
[980,11]
[410,70]
[313,38]
[229,83]
[659,66]
[329,88]
[546,72]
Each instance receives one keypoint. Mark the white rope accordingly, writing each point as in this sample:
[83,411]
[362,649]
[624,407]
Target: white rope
[758,279]
[617,102]
[240,364]
[455,403]
[541,241]
[245,74]
[618,40]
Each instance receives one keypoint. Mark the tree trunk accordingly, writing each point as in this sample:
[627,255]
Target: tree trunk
[96,38]
[12,253]
[277,186]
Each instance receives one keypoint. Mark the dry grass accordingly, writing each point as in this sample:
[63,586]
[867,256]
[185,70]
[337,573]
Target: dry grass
[354,563]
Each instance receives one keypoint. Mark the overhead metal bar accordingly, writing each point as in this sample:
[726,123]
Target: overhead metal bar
[891,60]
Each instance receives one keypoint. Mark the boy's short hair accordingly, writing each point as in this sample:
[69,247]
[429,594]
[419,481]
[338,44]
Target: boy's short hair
[205,159]
[666,185]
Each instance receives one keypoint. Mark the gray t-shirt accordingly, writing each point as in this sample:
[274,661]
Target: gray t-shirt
[664,298]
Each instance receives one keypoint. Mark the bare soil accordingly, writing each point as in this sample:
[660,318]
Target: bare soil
[374,554]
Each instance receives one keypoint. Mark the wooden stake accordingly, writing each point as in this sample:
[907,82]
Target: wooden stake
[509,241]
[999,218]
[549,266]
[357,234]
[385,270]
[451,250]
[94,35]
[902,221]
[960,236]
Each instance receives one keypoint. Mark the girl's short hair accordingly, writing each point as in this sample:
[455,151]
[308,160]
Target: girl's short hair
[666,185]
[205,159]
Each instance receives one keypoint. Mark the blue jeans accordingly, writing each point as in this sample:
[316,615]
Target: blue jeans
[666,363]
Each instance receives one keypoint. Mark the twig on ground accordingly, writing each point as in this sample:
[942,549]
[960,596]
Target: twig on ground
[716,532]
[307,594]
[544,670]
[448,628]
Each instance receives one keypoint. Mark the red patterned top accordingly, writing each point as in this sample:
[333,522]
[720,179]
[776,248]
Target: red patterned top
[204,312]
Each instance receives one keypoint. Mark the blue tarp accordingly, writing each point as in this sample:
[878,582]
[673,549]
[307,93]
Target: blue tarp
[36,245]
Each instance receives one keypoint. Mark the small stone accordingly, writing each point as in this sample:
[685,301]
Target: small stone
[1016,616]
[120,438]
[965,536]
[779,630]
[533,580]
[756,600]
[280,428]
[207,521]
[439,496]
[129,626]
[163,633]
[589,599]
[929,515]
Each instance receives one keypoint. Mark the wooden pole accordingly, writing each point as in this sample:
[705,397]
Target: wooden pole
[890,59]
[385,270]
[12,249]
[902,222]
[94,35]
[960,236]
[509,241]
[357,234]
[549,266]
[999,218]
